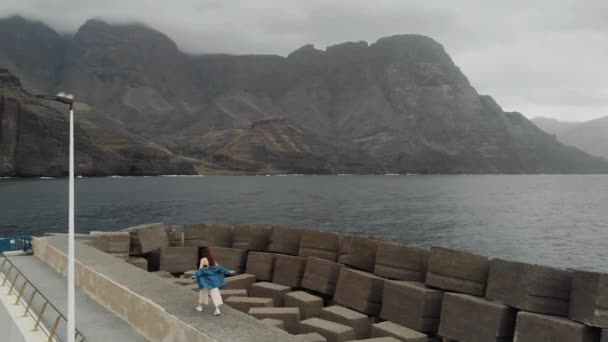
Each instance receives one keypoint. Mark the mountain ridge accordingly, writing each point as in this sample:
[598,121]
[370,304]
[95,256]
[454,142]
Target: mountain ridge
[397,105]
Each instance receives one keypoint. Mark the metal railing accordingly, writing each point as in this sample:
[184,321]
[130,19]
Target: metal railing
[10,280]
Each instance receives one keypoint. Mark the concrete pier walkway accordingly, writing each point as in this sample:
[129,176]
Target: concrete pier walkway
[95,322]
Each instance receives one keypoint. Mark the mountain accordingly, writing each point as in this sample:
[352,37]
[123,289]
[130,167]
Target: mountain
[398,105]
[34,137]
[553,126]
[590,136]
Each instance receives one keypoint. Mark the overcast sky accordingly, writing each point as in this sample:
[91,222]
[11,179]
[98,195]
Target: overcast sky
[539,57]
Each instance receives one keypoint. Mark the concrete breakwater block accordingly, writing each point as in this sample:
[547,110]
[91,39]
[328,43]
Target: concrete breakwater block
[468,318]
[163,274]
[401,262]
[277,323]
[138,262]
[309,305]
[269,290]
[289,270]
[112,242]
[360,291]
[457,271]
[322,245]
[289,316]
[251,238]
[147,238]
[261,265]
[241,281]
[528,287]
[188,274]
[390,329]
[360,323]
[285,240]
[153,259]
[178,259]
[243,304]
[358,252]
[412,304]
[312,337]
[533,327]
[232,258]
[227,293]
[321,275]
[174,234]
[208,235]
[589,299]
[333,332]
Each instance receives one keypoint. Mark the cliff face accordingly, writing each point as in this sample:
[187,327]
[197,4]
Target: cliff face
[397,105]
[34,138]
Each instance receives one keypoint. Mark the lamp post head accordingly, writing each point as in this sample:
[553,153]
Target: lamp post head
[62,99]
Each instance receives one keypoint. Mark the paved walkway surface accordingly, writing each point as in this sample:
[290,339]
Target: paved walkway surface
[94,321]
[232,325]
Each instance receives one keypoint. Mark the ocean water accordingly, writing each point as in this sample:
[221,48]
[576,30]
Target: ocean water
[548,219]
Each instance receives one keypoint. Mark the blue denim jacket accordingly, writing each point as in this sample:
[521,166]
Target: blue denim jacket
[211,277]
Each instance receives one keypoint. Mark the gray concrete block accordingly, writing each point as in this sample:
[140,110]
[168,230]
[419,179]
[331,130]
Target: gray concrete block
[401,262]
[289,316]
[227,293]
[358,252]
[232,258]
[321,275]
[309,305]
[188,274]
[468,318]
[360,291]
[288,270]
[318,244]
[401,333]
[178,259]
[529,287]
[112,242]
[261,265]
[457,271]
[269,290]
[285,240]
[243,304]
[312,337]
[163,274]
[360,323]
[208,235]
[147,238]
[241,281]
[604,335]
[533,327]
[251,238]
[333,332]
[138,262]
[589,298]
[277,323]
[412,304]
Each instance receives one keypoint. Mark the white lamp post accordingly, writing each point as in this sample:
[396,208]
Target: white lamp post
[69,100]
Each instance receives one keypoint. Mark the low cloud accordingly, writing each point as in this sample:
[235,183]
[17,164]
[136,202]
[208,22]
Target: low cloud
[541,58]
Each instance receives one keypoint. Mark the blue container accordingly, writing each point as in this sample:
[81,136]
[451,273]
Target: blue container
[15,243]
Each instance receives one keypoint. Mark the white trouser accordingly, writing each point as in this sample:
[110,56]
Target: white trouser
[216,297]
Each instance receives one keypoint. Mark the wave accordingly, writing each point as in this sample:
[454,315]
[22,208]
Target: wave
[392,174]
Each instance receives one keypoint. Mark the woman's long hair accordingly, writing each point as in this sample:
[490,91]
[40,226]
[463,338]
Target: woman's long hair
[207,254]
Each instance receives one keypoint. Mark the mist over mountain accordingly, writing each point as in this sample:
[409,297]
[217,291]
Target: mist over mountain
[590,136]
[398,105]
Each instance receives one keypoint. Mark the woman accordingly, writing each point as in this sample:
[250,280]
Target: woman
[210,277]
